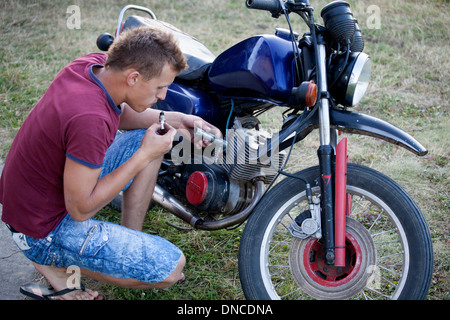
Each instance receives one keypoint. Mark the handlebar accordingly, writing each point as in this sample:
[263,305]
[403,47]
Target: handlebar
[274,6]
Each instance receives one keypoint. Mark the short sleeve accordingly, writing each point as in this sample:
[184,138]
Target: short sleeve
[87,138]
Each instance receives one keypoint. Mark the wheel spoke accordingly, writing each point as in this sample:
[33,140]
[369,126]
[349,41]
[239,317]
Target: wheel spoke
[390,256]
[290,293]
[356,205]
[378,292]
[378,217]
[383,232]
[389,270]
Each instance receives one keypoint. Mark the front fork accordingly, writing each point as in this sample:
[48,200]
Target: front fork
[333,170]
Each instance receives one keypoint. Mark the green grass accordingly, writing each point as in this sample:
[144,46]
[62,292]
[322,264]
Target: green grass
[409,87]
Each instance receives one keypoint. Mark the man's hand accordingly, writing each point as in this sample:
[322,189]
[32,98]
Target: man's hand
[184,123]
[156,145]
[187,125]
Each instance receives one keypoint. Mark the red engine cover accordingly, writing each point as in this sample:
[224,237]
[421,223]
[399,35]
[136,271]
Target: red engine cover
[197,188]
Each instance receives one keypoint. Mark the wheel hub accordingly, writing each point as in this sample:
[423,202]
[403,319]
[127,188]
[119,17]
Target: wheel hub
[322,281]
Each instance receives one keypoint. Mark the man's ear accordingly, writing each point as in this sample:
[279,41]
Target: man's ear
[133,77]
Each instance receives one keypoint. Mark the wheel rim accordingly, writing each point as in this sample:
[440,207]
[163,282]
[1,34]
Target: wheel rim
[384,278]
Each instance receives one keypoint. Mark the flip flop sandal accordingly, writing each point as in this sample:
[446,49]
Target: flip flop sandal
[42,292]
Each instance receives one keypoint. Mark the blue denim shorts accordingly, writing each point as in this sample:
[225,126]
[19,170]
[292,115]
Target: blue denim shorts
[103,247]
[124,146]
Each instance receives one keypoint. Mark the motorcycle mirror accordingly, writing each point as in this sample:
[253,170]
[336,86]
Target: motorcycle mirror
[104,41]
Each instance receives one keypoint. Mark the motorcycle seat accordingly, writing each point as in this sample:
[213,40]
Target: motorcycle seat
[198,56]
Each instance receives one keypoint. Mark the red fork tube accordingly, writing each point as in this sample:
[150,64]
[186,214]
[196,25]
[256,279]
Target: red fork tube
[340,202]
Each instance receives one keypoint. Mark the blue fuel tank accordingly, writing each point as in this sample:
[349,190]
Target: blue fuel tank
[190,100]
[259,68]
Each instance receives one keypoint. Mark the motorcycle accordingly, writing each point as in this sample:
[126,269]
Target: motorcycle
[332,231]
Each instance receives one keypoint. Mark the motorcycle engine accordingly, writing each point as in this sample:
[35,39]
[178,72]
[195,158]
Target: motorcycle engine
[246,157]
[225,186]
[210,189]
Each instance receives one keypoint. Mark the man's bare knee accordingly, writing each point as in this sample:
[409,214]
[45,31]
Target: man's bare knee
[176,276]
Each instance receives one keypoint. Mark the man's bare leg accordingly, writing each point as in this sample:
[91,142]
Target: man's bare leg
[136,199]
[176,276]
[58,278]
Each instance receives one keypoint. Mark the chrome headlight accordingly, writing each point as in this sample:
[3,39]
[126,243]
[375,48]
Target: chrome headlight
[352,83]
[358,79]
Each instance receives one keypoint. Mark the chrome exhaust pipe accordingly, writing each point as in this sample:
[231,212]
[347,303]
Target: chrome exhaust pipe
[169,202]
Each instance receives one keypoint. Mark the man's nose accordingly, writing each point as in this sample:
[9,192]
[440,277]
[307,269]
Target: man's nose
[161,95]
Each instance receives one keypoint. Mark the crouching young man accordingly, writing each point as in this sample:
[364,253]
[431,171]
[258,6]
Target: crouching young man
[56,175]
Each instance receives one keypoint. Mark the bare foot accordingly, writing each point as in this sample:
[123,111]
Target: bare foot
[59,280]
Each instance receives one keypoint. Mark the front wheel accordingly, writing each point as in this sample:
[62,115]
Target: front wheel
[388,246]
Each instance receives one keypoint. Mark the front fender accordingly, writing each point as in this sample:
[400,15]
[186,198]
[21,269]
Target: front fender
[351,122]
[355,122]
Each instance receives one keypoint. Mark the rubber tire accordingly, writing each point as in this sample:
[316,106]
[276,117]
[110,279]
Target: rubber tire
[410,216]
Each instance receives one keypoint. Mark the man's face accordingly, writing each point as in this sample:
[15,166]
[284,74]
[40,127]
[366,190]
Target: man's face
[145,93]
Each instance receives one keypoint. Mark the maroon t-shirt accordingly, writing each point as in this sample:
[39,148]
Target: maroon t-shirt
[75,118]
